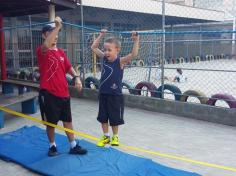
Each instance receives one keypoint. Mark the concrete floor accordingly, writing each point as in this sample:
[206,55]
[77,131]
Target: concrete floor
[193,139]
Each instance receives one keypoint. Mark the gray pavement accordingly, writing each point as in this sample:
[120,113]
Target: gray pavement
[193,139]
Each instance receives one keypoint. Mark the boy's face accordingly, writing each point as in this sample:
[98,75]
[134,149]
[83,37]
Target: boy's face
[111,51]
[46,34]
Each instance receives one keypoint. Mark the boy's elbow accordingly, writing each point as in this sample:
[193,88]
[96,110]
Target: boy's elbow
[134,55]
[93,48]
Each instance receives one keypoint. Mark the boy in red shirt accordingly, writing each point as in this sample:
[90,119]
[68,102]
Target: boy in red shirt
[54,98]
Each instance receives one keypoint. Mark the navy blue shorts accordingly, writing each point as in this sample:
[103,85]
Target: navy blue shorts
[54,108]
[111,109]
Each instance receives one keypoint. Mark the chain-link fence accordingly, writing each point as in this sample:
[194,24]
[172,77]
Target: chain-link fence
[185,51]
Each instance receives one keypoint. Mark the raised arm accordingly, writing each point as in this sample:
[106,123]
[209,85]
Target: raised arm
[96,42]
[126,59]
[50,39]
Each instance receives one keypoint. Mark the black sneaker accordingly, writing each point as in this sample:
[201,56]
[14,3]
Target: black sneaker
[52,151]
[78,150]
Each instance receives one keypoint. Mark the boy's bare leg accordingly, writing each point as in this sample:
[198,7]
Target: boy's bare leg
[115,130]
[105,128]
[51,137]
[75,148]
[105,138]
[50,133]
[69,125]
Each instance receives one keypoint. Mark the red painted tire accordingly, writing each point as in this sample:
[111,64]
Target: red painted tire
[173,61]
[150,86]
[229,99]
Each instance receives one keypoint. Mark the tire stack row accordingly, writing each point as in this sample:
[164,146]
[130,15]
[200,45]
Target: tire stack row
[31,74]
[194,59]
[93,83]
[179,60]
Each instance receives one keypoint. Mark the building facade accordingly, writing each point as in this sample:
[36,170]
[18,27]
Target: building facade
[229,6]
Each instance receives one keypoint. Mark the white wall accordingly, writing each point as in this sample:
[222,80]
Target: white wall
[154,7]
[229,6]
[181,2]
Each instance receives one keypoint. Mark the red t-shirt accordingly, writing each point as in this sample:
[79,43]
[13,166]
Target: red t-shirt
[53,66]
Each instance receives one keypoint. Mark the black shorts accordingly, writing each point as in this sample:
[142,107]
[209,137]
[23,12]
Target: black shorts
[111,108]
[54,108]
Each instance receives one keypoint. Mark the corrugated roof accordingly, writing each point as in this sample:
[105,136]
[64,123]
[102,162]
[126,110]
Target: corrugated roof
[10,8]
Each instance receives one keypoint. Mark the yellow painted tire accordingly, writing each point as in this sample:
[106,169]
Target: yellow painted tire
[140,63]
[193,93]
[181,60]
[212,57]
[197,59]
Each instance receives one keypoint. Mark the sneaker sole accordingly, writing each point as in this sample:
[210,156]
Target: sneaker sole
[104,144]
[52,155]
[82,153]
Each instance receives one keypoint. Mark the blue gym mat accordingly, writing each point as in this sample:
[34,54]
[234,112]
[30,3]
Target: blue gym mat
[28,147]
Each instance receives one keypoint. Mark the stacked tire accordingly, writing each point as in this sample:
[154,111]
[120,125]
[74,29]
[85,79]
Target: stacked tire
[91,83]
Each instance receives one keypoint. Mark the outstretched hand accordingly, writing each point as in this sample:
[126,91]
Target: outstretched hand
[135,35]
[103,32]
[58,22]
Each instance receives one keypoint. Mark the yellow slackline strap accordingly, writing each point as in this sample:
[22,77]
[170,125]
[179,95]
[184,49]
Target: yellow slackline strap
[179,158]
[122,146]
[9,111]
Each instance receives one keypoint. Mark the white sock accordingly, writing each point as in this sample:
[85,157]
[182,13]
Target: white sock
[73,144]
[52,144]
[106,134]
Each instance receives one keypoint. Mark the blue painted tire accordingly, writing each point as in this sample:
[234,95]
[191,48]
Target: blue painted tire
[222,56]
[175,90]
[89,81]
[129,86]
[69,80]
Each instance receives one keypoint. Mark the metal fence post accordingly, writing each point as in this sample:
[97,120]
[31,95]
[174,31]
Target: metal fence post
[31,42]
[82,37]
[2,52]
[233,39]
[172,42]
[200,43]
[163,48]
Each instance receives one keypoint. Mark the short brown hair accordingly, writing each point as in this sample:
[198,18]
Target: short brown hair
[113,40]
